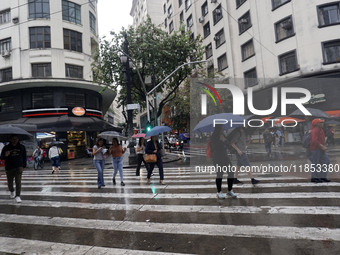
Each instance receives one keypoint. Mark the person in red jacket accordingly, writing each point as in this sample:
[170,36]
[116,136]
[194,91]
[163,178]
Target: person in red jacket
[319,158]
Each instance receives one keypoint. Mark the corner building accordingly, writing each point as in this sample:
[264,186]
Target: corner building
[46,50]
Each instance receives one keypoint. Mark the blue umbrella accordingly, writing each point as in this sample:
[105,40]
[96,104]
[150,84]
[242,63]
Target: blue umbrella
[207,124]
[157,130]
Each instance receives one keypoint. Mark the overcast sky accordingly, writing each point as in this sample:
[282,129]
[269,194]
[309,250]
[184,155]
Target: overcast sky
[113,15]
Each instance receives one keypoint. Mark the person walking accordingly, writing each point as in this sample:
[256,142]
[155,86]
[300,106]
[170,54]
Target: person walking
[14,155]
[154,147]
[54,155]
[37,155]
[140,155]
[238,142]
[220,157]
[98,152]
[117,153]
[318,149]
[267,137]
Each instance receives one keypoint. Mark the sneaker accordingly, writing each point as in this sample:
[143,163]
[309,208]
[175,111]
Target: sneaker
[231,194]
[18,199]
[220,195]
[325,180]
[316,180]
[12,195]
[254,181]
[114,181]
[236,181]
[122,183]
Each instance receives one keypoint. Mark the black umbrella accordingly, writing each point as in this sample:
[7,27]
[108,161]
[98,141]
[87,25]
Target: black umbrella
[55,143]
[316,113]
[7,130]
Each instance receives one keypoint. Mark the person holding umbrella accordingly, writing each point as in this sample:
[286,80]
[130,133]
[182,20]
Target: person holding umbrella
[117,152]
[140,155]
[14,155]
[154,147]
[54,155]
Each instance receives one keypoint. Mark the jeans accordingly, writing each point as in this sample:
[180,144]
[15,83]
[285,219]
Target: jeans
[117,163]
[16,174]
[268,147]
[100,164]
[319,157]
[55,161]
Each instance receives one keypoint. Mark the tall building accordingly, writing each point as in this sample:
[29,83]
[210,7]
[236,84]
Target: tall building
[266,43]
[46,50]
[142,8]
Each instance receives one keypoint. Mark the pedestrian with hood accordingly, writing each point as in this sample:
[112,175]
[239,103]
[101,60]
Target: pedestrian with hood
[14,155]
[218,147]
[117,153]
[318,149]
[99,152]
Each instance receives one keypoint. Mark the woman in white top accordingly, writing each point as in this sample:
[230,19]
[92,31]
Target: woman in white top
[140,155]
[98,152]
[53,155]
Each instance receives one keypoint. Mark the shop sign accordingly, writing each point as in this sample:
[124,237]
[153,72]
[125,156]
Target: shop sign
[78,111]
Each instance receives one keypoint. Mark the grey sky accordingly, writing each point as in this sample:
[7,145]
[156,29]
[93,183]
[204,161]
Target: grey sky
[113,15]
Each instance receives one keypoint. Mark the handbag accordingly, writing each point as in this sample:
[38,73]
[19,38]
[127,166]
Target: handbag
[150,158]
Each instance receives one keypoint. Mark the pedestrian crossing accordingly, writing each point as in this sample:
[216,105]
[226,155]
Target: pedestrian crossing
[66,213]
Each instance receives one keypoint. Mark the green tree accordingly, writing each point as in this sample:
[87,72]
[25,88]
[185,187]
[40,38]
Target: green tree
[155,53]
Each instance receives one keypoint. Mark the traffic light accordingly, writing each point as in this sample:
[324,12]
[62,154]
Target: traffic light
[148,126]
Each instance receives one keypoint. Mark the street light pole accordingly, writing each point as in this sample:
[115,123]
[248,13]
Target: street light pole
[159,84]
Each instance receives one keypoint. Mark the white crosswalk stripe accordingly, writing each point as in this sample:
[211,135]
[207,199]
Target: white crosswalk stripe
[186,207]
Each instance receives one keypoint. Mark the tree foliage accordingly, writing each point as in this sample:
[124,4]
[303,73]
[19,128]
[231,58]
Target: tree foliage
[154,53]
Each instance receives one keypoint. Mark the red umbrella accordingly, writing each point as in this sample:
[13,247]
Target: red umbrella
[138,135]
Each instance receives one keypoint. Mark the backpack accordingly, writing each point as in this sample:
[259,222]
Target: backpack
[306,140]
[208,151]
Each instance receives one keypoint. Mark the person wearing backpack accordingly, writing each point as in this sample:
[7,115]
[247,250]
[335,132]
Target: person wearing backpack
[318,152]
[218,148]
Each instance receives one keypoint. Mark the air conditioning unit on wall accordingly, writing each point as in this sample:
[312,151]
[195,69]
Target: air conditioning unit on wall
[201,19]
[5,53]
[214,1]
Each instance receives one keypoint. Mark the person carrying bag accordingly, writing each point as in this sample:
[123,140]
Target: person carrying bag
[153,155]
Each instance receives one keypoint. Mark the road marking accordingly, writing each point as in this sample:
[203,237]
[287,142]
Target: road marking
[269,232]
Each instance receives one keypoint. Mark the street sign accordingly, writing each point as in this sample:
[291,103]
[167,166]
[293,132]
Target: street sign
[132,106]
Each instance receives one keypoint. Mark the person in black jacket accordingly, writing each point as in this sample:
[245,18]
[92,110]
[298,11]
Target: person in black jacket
[14,155]
[154,147]
[220,157]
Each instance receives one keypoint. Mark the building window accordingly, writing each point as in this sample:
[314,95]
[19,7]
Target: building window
[171,26]
[181,17]
[5,16]
[8,104]
[247,50]
[288,62]
[189,21]
[164,8]
[239,3]
[211,71]
[72,40]
[180,2]
[38,9]
[208,51]
[277,3]
[244,23]
[71,12]
[6,74]
[217,14]
[331,52]
[92,23]
[219,38]
[93,4]
[187,4]
[206,30]
[250,78]
[166,23]
[205,9]
[40,37]
[42,100]
[74,99]
[41,70]
[222,62]
[5,46]
[284,29]
[74,71]
[329,14]
[169,10]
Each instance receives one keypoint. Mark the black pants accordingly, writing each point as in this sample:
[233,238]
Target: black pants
[140,159]
[159,163]
[16,174]
[230,180]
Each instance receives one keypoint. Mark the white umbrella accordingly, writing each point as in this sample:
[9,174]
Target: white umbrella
[109,135]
